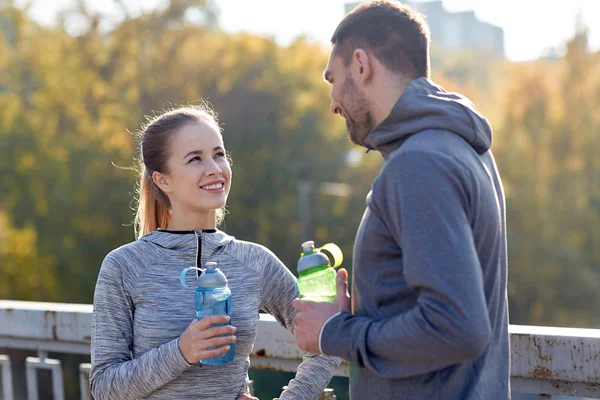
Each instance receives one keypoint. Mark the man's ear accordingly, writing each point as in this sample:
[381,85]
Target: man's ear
[162,181]
[362,67]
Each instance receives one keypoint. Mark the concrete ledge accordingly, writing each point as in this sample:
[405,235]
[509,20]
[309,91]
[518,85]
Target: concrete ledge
[559,359]
[560,354]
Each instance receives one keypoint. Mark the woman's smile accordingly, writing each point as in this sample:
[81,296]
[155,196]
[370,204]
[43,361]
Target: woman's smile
[215,186]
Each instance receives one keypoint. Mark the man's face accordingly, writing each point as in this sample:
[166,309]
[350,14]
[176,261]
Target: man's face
[348,100]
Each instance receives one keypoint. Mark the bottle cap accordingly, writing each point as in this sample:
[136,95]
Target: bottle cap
[212,277]
[308,247]
[311,257]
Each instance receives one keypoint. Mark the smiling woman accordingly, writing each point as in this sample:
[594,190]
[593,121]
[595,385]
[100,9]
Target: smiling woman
[183,163]
[143,344]
[196,176]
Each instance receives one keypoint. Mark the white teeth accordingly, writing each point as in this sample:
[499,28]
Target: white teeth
[213,187]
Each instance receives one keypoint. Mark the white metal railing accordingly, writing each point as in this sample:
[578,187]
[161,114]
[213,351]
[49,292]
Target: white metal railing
[544,360]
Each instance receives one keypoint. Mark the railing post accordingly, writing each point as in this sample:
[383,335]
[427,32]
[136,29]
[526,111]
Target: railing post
[7,384]
[84,381]
[43,362]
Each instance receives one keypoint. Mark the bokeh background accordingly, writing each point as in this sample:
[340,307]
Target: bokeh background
[78,78]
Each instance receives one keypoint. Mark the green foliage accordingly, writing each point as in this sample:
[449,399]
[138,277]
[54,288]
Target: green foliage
[548,155]
[68,104]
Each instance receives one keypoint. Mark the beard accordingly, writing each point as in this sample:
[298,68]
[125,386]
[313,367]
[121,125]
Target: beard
[359,120]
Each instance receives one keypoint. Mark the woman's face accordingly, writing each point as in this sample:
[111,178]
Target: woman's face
[199,175]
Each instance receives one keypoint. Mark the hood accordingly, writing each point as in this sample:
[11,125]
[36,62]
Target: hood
[212,241]
[425,105]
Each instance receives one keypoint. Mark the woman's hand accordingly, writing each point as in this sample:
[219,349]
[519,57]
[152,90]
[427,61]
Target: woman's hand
[199,336]
[246,397]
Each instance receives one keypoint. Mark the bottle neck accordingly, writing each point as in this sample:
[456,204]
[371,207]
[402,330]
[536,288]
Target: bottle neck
[314,269]
[212,289]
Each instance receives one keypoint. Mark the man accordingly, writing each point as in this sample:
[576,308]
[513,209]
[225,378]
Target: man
[429,314]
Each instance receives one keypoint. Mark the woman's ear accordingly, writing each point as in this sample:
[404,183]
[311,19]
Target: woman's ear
[162,181]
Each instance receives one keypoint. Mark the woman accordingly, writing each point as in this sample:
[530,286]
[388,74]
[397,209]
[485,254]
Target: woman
[143,344]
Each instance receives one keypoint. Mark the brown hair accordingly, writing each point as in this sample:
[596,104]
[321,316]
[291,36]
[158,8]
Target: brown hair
[153,205]
[394,33]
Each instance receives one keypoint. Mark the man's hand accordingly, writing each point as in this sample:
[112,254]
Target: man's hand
[311,316]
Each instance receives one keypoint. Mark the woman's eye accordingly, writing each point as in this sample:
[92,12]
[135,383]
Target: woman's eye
[197,158]
[220,154]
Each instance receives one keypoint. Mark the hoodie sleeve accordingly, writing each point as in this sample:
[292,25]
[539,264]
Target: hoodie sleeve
[114,374]
[423,200]
[279,288]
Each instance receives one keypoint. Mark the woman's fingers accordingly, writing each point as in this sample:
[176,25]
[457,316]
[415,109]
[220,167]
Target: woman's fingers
[216,331]
[208,333]
[206,322]
[203,354]
[215,341]
[203,334]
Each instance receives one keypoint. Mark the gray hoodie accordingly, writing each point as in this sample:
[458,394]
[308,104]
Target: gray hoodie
[140,310]
[430,311]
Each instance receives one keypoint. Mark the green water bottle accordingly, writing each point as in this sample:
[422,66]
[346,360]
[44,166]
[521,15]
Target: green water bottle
[316,270]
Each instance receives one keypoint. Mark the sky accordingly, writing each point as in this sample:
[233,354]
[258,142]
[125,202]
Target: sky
[531,27]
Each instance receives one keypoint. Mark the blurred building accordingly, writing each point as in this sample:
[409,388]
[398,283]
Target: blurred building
[456,30]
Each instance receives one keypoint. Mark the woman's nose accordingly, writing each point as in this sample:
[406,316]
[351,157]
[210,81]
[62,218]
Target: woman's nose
[213,169]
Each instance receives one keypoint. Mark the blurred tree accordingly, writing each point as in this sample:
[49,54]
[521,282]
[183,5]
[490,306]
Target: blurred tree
[68,103]
[547,151]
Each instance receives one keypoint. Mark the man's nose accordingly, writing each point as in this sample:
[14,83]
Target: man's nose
[334,108]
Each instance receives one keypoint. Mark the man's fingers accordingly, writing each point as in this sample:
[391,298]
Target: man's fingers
[343,297]
[342,282]
[302,305]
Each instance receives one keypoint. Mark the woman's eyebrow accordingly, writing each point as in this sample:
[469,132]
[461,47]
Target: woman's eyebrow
[199,152]
[193,152]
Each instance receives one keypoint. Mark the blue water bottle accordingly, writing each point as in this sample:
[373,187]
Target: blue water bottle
[212,297]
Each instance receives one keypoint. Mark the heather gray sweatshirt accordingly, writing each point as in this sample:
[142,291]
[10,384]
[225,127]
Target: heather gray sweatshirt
[429,290]
[140,310]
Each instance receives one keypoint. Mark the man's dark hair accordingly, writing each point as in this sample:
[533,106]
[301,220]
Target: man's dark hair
[394,33]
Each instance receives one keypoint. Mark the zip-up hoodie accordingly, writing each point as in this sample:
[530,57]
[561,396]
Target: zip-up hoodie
[141,309]
[430,311]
